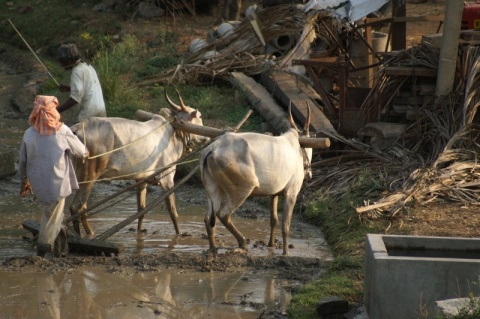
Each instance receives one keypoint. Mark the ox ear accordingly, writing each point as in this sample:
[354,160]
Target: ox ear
[195,114]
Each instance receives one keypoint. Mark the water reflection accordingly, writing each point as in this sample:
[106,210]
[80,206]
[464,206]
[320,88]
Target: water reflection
[164,294]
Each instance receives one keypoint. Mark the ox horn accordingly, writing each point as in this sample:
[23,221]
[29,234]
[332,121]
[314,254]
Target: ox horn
[170,102]
[290,118]
[182,105]
[306,127]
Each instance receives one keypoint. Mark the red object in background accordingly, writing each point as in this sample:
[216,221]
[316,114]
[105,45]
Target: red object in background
[471,15]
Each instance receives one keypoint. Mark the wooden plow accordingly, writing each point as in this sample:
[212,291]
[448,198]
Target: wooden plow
[98,245]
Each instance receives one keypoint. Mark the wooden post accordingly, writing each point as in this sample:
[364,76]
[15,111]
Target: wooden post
[449,50]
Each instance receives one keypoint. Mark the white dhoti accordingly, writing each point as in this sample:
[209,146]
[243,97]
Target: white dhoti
[51,223]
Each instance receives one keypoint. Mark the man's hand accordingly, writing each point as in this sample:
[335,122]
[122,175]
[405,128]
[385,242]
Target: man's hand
[64,88]
[26,187]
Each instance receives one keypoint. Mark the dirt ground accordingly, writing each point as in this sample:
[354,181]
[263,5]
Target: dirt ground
[289,266]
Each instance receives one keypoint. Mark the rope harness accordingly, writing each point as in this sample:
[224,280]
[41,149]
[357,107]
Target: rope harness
[124,146]
[185,138]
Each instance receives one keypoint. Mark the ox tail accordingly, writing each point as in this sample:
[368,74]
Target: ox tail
[212,215]
[204,168]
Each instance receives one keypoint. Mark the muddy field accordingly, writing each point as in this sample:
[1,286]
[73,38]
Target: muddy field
[161,275]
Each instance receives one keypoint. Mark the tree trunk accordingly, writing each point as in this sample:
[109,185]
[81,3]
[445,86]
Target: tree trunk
[262,101]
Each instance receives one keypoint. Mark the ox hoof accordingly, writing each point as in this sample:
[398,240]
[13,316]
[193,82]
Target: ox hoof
[241,250]
[213,251]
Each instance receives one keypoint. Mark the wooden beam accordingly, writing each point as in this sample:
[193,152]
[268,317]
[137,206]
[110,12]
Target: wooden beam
[410,71]
[212,132]
[399,28]
[286,89]
[80,245]
[261,100]
[371,22]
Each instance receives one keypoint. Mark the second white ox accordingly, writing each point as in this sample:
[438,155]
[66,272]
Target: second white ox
[238,165]
[132,150]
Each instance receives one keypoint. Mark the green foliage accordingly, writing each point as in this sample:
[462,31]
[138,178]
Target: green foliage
[114,71]
[343,229]
[47,26]
[157,64]
[303,301]
[90,44]
[345,232]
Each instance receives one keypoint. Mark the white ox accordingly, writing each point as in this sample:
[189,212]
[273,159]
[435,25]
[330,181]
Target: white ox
[238,165]
[132,150]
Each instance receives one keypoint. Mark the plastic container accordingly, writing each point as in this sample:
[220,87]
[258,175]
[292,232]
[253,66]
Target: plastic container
[224,29]
[196,45]
[471,16]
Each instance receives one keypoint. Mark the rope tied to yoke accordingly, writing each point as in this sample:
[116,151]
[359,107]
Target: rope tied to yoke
[184,136]
[124,146]
[119,177]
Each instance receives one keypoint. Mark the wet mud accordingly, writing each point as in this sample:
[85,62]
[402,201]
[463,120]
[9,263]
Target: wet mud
[160,274]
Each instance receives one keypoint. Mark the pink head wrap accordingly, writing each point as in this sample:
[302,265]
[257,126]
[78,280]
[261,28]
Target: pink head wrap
[45,117]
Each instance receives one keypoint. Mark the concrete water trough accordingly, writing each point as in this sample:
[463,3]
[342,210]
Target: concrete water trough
[405,275]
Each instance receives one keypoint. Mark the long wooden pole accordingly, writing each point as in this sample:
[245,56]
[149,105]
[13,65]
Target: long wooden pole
[33,52]
[148,208]
[310,142]
[143,180]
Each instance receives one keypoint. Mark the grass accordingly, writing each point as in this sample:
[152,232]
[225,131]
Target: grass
[345,233]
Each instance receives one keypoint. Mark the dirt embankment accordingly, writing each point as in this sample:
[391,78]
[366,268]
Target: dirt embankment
[293,268]
[28,73]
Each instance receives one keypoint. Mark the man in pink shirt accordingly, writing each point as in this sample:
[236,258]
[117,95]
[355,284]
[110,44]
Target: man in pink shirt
[45,167]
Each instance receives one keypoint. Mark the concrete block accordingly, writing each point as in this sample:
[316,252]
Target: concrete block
[406,275]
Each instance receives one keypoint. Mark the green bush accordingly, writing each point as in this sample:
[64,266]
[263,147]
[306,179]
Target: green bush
[114,67]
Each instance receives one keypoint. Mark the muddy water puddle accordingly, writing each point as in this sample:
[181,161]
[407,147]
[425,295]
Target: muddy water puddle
[165,292]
